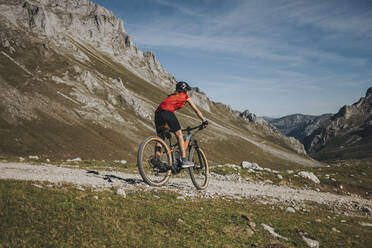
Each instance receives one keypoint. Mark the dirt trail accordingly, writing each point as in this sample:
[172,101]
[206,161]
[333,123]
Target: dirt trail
[107,179]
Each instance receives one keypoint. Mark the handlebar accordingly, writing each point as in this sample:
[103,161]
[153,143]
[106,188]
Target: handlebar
[189,129]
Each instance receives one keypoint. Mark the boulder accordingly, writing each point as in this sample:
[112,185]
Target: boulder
[75,160]
[121,192]
[290,210]
[272,232]
[310,242]
[310,176]
[231,165]
[248,165]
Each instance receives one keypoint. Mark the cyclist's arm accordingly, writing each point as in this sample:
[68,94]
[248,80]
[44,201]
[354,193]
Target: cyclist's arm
[193,106]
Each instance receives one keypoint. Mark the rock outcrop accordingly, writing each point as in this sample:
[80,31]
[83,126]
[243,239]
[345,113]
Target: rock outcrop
[248,115]
[349,128]
[64,23]
[200,99]
[270,130]
[298,125]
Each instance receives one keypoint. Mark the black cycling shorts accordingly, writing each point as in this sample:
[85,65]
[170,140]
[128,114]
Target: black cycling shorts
[163,118]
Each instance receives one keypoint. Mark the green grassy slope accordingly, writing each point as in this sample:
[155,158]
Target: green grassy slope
[338,149]
[63,216]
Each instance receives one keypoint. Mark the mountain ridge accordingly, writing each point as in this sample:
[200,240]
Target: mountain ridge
[299,125]
[332,133]
[347,134]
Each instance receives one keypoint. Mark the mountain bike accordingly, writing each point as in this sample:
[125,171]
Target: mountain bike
[156,170]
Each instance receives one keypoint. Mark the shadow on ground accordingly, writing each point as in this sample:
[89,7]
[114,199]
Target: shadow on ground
[132,181]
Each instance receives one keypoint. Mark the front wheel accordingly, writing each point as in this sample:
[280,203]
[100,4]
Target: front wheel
[153,156]
[199,173]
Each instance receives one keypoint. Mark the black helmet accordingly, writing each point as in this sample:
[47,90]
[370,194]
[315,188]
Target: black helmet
[182,86]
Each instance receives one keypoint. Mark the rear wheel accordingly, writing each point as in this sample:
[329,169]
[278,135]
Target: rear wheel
[150,167]
[199,173]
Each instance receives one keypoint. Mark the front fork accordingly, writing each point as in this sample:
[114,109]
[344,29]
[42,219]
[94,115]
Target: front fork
[196,149]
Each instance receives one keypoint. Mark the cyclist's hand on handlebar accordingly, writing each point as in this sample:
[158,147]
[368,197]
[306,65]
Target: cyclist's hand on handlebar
[205,124]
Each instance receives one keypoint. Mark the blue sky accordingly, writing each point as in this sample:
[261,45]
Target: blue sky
[274,57]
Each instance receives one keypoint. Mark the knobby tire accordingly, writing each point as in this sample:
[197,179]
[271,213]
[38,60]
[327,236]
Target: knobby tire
[144,166]
[197,156]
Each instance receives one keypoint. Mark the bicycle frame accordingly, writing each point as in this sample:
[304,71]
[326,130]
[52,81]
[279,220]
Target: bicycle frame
[188,140]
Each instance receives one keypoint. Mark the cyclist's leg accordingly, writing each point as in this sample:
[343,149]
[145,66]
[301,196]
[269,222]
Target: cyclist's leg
[181,142]
[184,163]
[158,152]
[159,123]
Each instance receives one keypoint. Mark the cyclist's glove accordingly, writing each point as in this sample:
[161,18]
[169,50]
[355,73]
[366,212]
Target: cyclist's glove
[205,124]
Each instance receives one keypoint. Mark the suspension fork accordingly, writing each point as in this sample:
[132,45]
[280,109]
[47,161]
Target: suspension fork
[201,162]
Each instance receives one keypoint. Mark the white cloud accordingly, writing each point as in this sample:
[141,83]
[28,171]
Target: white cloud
[180,7]
[342,16]
[251,29]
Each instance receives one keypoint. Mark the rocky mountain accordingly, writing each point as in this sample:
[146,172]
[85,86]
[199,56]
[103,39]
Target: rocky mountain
[266,127]
[347,134]
[298,125]
[248,115]
[72,83]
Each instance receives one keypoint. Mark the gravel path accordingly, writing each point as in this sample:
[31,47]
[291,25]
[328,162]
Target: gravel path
[128,182]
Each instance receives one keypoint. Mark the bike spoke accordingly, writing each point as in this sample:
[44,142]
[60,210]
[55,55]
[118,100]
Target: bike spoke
[153,160]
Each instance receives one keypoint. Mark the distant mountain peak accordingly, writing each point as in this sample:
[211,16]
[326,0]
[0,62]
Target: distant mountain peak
[347,134]
[369,92]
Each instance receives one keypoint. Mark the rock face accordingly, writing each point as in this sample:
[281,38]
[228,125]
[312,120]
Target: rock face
[82,20]
[347,133]
[249,116]
[298,125]
[60,22]
[288,123]
[200,99]
[290,142]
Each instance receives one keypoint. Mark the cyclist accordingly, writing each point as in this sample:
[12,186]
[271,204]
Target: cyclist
[165,117]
